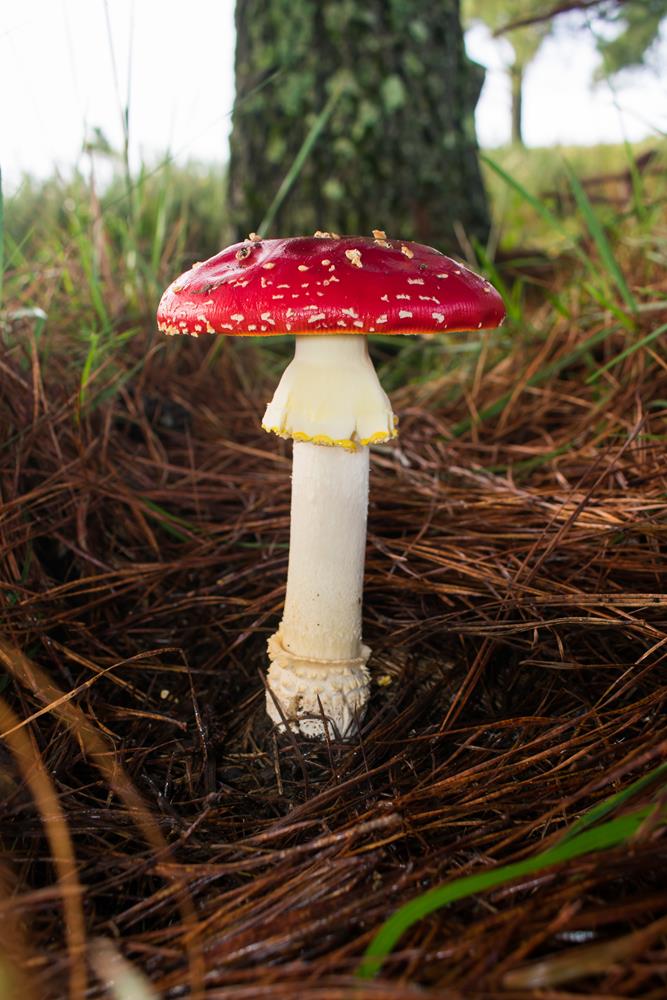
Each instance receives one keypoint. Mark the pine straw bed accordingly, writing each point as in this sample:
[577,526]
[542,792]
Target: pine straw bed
[515,610]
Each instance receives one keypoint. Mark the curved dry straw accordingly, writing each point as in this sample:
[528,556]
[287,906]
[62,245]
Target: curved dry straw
[34,774]
[102,755]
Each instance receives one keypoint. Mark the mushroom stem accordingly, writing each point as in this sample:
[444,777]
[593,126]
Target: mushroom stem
[318,661]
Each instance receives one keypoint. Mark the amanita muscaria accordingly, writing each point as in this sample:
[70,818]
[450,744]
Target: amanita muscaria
[330,292]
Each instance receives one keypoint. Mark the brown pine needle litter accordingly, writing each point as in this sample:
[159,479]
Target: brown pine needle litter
[515,604]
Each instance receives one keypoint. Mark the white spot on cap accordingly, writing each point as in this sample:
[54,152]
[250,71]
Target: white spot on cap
[350,312]
[379,234]
[381,319]
[358,323]
[316,317]
[266,316]
[252,326]
[438,317]
[237,317]
[303,267]
[415,281]
[325,262]
[277,296]
[282,286]
[407,251]
[385,298]
[269,264]
[442,275]
[354,257]
[403,297]
[404,314]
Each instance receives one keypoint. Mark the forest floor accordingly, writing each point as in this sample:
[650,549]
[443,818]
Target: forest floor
[150,816]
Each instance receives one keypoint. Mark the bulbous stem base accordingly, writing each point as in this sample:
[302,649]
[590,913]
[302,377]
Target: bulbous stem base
[317,698]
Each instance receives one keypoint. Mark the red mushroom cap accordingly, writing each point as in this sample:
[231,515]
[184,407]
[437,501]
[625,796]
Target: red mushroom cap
[326,284]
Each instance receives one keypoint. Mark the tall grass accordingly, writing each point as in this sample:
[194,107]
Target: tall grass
[97,261]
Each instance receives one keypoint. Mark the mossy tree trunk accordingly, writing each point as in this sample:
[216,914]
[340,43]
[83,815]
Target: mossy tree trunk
[399,150]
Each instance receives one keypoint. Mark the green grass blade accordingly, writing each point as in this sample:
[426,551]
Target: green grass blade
[598,812]
[627,352]
[552,220]
[300,159]
[601,242]
[167,520]
[87,370]
[541,376]
[611,834]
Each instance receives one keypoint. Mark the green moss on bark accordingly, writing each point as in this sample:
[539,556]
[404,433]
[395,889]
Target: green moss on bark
[399,151]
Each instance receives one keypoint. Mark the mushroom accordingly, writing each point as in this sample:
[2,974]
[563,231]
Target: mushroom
[330,292]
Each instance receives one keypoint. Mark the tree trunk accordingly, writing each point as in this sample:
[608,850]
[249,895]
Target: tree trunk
[516,78]
[398,152]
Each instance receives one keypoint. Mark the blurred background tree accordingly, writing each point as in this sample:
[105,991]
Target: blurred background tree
[383,95]
[524,24]
[524,41]
[640,22]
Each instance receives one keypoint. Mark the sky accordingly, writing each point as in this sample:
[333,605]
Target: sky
[68,65]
